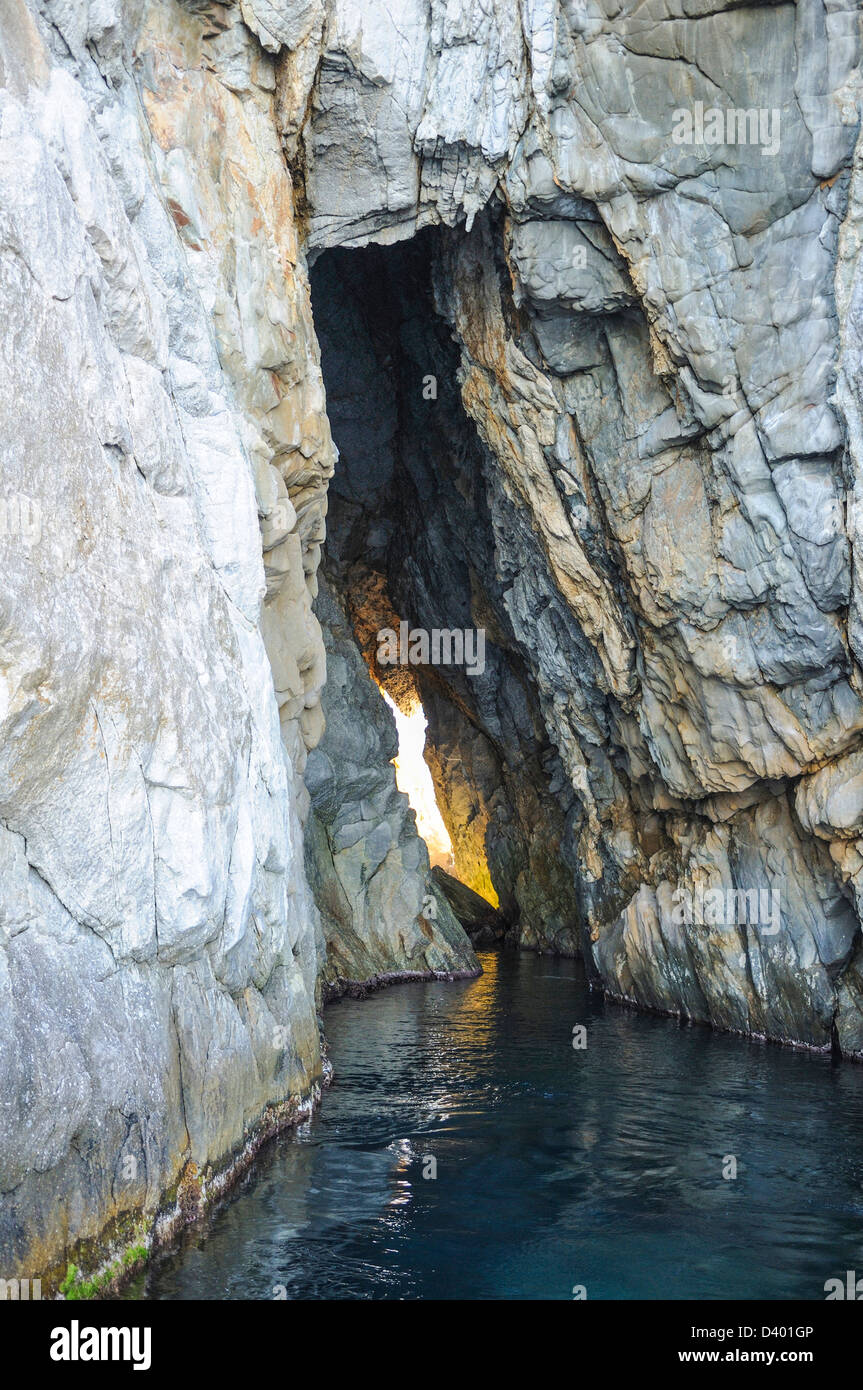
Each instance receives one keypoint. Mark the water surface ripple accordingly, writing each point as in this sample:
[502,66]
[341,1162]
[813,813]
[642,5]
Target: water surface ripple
[555,1167]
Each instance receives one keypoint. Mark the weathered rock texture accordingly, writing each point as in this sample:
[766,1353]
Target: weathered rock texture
[641,475]
[160,390]
[483,923]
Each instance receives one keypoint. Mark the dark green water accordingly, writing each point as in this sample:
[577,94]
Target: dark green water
[555,1167]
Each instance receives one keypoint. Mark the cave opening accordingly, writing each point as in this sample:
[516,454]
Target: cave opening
[410,561]
[408,474]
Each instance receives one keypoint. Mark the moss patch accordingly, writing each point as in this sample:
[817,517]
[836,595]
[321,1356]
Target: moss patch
[76,1287]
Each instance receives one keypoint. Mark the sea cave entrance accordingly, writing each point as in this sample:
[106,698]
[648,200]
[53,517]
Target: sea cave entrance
[404,506]
[411,551]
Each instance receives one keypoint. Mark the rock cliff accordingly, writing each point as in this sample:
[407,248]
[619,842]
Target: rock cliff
[159,384]
[624,242]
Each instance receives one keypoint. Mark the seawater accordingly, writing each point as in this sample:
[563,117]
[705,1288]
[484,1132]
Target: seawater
[555,1169]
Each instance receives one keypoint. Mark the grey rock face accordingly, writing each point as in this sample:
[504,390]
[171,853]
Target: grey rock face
[157,936]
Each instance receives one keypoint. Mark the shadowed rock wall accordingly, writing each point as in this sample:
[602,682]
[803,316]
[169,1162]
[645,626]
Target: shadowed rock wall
[382,918]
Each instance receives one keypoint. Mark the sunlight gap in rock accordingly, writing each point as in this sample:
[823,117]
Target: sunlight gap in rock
[415,780]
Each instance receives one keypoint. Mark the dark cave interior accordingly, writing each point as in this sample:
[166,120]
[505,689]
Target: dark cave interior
[410,539]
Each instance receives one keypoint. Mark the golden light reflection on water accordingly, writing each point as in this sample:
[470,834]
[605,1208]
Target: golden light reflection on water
[460,1039]
[414,779]
[474,1012]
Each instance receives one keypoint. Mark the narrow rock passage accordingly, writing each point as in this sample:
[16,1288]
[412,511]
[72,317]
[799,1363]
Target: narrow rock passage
[411,560]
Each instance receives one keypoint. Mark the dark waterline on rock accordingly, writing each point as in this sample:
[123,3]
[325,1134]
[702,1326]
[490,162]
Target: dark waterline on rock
[555,1167]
